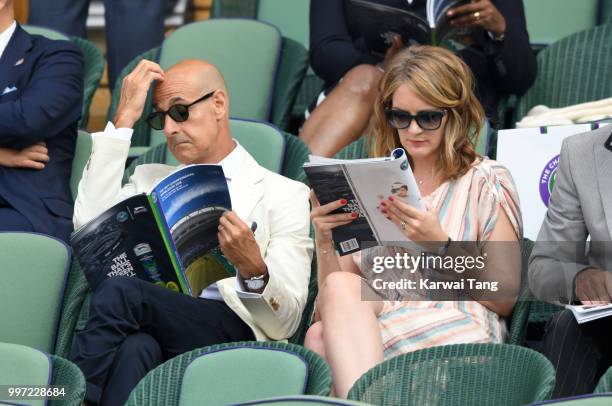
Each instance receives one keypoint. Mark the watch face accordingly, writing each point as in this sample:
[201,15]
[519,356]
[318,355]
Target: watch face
[254,284]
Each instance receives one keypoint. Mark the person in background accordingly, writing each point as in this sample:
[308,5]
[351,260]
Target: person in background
[132,26]
[41,92]
[500,57]
[566,269]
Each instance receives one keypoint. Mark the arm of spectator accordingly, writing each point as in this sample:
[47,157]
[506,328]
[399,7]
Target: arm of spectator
[32,157]
[51,102]
[288,256]
[332,52]
[100,185]
[514,66]
[559,253]
[511,61]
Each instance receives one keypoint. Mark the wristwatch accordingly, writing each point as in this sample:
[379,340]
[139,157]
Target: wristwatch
[256,282]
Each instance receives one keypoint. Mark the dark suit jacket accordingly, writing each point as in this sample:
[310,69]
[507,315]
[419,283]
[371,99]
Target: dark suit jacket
[337,45]
[46,106]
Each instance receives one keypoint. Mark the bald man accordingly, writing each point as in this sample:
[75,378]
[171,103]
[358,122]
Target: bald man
[136,325]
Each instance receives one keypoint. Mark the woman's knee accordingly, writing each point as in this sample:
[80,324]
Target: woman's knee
[362,81]
[314,338]
[340,288]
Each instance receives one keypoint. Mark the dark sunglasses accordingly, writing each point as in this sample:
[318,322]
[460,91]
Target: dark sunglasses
[178,112]
[427,120]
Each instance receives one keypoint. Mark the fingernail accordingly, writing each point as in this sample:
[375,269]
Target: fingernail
[450,13]
[383,203]
[343,201]
[384,211]
[354,215]
[388,218]
[391,198]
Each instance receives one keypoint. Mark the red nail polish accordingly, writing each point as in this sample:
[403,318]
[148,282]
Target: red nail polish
[391,198]
[384,211]
[354,215]
[383,203]
[343,201]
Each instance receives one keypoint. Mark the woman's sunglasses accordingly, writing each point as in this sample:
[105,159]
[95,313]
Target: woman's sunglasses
[427,120]
[178,112]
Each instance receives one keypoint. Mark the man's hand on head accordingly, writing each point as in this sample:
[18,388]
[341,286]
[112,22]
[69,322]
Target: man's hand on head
[134,90]
[32,157]
[593,286]
[238,244]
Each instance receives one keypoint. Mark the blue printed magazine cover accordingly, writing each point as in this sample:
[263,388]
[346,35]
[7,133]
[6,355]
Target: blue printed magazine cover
[363,182]
[168,237]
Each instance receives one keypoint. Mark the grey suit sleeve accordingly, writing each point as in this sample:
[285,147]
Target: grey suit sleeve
[559,253]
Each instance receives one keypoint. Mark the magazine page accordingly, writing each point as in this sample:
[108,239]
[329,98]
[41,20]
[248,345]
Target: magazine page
[125,240]
[329,183]
[190,202]
[439,21]
[373,181]
[362,182]
[586,313]
[379,23]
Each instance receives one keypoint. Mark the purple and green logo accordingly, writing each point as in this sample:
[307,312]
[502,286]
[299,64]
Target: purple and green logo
[547,179]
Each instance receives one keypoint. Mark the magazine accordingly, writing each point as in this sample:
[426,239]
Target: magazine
[379,23]
[363,182]
[167,237]
[586,313]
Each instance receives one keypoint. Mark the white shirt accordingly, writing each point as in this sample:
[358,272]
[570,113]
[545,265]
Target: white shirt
[5,37]
[230,165]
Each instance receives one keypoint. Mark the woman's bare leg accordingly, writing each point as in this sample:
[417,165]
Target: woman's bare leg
[344,114]
[350,331]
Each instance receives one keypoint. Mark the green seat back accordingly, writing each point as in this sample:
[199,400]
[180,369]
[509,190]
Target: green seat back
[304,400]
[33,271]
[550,20]
[606,11]
[93,68]
[264,142]
[573,70]
[164,384]
[584,400]
[247,53]
[82,152]
[24,366]
[460,374]
[259,373]
[605,382]
[291,18]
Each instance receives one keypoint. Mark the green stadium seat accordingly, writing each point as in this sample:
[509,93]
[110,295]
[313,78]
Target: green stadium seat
[165,384]
[602,399]
[94,66]
[304,400]
[461,374]
[290,17]
[571,71]
[33,273]
[23,366]
[605,382]
[82,151]
[262,372]
[550,20]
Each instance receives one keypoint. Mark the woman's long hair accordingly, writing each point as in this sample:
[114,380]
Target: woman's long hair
[443,80]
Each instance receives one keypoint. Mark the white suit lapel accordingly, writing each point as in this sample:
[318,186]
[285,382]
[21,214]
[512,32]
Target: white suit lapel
[247,189]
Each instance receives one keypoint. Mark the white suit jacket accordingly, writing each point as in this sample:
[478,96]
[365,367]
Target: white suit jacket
[278,205]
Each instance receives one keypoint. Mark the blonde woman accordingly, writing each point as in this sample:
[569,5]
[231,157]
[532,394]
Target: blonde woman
[427,106]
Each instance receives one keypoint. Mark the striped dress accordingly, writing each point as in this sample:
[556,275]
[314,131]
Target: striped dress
[468,211]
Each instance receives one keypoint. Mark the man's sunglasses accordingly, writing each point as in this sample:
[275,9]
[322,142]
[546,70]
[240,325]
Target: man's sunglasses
[178,112]
[427,120]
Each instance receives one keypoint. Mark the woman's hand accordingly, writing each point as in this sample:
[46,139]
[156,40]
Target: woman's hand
[415,224]
[324,222]
[478,13]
